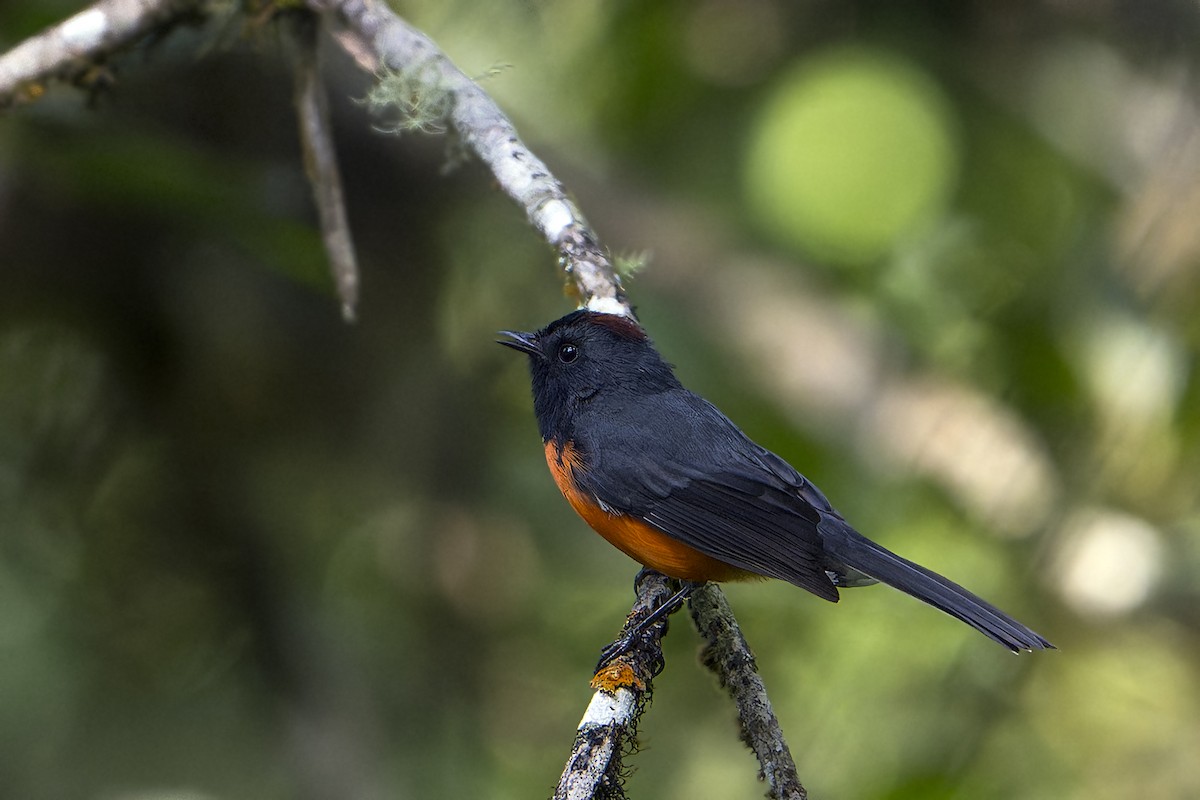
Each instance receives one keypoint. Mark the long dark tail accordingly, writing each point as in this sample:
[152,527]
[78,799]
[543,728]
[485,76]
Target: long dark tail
[860,553]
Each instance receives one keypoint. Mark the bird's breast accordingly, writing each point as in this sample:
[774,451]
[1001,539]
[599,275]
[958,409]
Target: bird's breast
[631,535]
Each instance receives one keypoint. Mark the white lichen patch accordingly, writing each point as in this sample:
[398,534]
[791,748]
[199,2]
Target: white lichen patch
[555,217]
[606,305]
[608,709]
[85,30]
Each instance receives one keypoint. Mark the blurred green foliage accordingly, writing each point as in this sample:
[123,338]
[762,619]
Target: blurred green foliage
[942,257]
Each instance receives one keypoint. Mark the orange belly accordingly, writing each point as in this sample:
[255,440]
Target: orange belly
[635,538]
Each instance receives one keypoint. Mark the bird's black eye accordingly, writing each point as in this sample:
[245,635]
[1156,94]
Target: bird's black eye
[568,353]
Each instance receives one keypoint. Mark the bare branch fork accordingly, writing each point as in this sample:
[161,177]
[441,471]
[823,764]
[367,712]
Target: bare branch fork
[383,44]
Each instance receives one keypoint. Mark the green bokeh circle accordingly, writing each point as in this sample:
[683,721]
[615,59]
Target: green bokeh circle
[853,150]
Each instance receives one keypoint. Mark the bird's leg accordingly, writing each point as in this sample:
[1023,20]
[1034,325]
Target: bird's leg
[635,631]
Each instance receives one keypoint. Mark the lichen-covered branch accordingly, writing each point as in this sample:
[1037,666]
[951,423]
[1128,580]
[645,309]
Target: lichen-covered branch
[623,687]
[728,656]
[381,41]
[70,49]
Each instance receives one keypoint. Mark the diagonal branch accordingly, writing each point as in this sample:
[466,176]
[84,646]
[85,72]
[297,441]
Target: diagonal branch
[623,687]
[72,47]
[727,654]
[381,41]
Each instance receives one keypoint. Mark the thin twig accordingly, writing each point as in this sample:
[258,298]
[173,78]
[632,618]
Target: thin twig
[75,46]
[321,166]
[380,40]
[727,654]
[623,687]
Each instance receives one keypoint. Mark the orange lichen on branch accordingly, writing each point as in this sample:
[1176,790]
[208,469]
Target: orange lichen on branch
[615,675]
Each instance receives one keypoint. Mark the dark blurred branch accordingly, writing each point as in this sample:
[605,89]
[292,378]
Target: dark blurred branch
[321,166]
[72,48]
[382,42]
[623,687]
[727,654]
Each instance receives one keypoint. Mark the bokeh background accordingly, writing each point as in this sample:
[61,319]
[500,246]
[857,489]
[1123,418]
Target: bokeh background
[944,257]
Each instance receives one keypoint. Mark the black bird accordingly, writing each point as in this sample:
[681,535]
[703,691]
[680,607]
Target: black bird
[664,476]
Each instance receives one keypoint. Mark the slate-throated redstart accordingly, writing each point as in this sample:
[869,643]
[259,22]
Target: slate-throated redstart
[664,476]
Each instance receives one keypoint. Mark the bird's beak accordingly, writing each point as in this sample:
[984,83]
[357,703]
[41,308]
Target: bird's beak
[525,342]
